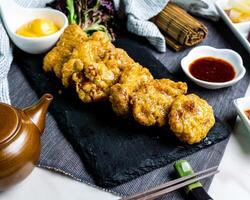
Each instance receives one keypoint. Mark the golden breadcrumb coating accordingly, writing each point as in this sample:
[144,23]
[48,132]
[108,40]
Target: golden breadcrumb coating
[92,78]
[117,60]
[94,82]
[94,49]
[191,118]
[69,68]
[130,80]
[72,36]
[152,102]
[81,59]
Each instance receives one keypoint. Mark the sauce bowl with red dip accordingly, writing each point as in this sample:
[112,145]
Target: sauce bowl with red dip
[213,68]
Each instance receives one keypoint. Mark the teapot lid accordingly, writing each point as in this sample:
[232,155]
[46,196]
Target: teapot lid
[9,122]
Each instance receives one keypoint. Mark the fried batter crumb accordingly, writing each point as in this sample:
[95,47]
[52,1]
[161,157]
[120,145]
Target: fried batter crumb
[152,102]
[72,36]
[130,81]
[191,118]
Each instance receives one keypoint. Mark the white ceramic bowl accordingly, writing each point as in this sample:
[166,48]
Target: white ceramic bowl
[15,16]
[241,30]
[241,105]
[206,51]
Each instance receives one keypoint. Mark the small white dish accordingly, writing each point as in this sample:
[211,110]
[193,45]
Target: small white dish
[241,30]
[206,51]
[241,105]
[14,16]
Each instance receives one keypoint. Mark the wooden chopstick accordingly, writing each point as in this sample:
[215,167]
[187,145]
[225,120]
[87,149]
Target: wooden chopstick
[172,185]
[175,187]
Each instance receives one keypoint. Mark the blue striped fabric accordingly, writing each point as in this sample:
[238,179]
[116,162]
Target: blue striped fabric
[139,13]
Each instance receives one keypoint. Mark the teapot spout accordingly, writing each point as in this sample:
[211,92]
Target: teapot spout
[37,112]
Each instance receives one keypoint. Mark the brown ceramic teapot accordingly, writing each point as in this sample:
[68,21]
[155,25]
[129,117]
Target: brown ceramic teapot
[20,132]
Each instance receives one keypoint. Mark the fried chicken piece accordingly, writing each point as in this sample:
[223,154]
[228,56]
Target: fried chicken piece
[130,80]
[94,82]
[94,49]
[118,60]
[99,49]
[69,68]
[191,118]
[54,60]
[87,71]
[152,102]
[72,36]
[87,54]
[94,67]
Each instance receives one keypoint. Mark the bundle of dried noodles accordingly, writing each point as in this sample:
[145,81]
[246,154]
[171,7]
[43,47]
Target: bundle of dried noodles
[180,29]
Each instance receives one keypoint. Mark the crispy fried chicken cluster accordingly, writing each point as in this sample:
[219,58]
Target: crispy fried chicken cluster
[55,59]
[130,81]
[151,104]
[90,64]
[98,71]
[191,118]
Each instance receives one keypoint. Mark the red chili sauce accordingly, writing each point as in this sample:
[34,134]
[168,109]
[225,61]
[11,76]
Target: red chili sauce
[212,69]
[247,112]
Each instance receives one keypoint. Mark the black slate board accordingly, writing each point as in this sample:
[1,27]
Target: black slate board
[113,150]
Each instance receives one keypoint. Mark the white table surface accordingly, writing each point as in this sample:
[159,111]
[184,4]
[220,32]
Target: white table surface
[233,182]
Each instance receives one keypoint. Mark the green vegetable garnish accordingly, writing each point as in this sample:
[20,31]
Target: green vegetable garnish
[183,168]
[90,15]
[72,17]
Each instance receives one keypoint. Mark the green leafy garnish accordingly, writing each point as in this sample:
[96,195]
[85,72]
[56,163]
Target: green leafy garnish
[72,17]
[91,15]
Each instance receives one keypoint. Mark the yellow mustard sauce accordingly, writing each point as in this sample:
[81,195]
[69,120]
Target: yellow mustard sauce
[38,28]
